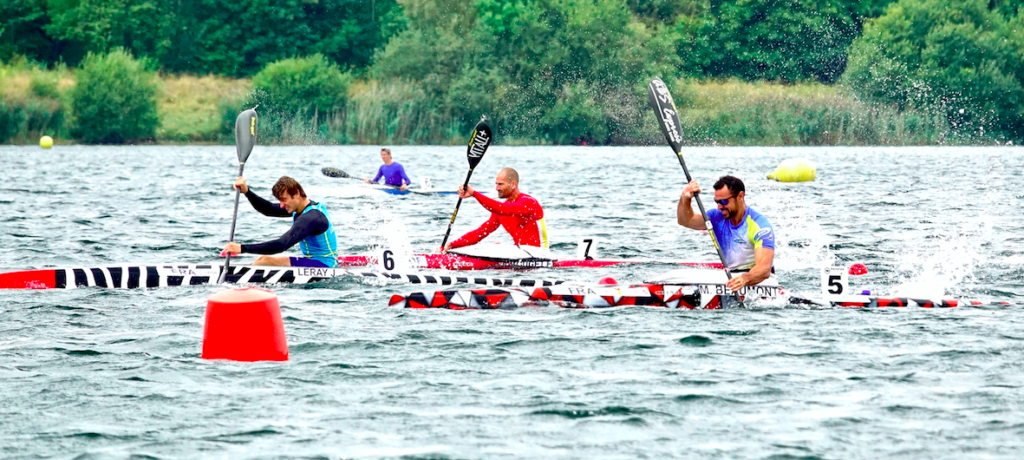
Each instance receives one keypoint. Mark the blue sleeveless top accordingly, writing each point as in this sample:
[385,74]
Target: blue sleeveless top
[322,247]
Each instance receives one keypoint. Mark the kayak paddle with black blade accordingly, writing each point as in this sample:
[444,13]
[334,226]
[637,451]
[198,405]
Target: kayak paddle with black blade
[245,139]
[335,172]
[668,119]
[478,144]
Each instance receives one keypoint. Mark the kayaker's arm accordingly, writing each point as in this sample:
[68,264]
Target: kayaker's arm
[763,258]
[684,211]
[524,209]
[477,235]
[265,207]
[311,223]
[380,173]
[405,177]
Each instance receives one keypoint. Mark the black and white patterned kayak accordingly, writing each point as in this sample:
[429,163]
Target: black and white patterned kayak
[165,275]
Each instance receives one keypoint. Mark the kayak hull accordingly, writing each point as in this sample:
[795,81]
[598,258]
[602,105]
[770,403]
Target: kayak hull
[691,297]
[449,261]
[158,276]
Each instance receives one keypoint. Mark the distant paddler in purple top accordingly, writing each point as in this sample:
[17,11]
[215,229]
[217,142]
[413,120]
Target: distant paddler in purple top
[392,171]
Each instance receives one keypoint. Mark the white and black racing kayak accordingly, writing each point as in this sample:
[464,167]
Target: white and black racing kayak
[165,275]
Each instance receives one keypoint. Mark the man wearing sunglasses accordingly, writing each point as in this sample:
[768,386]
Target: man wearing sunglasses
[745,236]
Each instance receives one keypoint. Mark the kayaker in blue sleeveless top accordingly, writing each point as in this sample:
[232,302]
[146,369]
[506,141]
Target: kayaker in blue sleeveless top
[311,228]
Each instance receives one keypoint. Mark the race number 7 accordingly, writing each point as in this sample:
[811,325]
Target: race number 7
[586,249]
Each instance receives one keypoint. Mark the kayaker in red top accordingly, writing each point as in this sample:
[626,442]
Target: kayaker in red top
[520,214]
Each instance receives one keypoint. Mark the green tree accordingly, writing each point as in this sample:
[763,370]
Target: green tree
[239,38]
[22,31]
[309,86]
[114,99]
[958,59]
[102,25]
[560,70]
[775,40]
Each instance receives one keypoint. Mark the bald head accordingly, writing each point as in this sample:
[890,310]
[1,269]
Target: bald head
[510,174]
[507,183]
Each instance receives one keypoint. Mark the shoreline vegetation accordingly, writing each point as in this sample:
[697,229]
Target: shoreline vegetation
[201,110]
[545,72]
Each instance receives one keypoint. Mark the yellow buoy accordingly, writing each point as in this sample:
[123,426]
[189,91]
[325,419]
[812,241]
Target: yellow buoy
[46,142]
[794,170]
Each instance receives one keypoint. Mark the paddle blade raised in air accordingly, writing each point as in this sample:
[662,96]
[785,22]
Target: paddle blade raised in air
[478,143]
[665,112]
[245,134]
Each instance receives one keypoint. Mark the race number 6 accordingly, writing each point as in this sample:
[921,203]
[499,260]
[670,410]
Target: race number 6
[386,260]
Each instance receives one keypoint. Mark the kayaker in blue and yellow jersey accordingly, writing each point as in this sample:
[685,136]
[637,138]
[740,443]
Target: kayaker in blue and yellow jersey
[311,228]
[520,214]
[745,236]
[392,172]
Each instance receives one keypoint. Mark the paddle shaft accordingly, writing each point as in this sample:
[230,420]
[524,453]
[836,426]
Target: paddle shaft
[456,212]
[234,219]
[668,119]
[245,140]
[478,144]
[703,213]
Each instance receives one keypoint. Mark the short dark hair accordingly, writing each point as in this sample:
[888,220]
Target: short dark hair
[735,185]
[385,149]
[287,185]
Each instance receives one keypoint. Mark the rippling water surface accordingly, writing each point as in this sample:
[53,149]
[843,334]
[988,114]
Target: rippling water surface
[94,373]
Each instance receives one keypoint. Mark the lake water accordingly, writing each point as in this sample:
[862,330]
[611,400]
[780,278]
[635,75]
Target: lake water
[96,373]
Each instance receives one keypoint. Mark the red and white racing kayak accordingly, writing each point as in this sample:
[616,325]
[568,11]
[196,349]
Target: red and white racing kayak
[686,288]
[691,288]
[494,256]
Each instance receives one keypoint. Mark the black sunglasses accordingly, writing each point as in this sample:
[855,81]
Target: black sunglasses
[725,202]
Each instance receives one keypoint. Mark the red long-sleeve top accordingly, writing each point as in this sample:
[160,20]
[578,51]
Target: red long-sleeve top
[519,218]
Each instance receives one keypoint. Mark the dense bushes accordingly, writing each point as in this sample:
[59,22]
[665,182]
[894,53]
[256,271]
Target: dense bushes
[737,113]
[32,103]
[223,37]
[545,71]
[795,40]
[295,97]
[960,60]
[309,86]
[548,71]
[114,99]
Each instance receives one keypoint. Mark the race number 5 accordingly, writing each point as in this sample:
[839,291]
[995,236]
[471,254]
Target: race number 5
[586,249]
[834,280]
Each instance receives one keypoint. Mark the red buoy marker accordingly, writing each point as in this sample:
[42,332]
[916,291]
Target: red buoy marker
[858,269]
[244,324]
[607,280]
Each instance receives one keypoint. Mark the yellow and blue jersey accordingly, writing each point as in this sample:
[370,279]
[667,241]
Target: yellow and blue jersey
[324,246]
[739,241]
